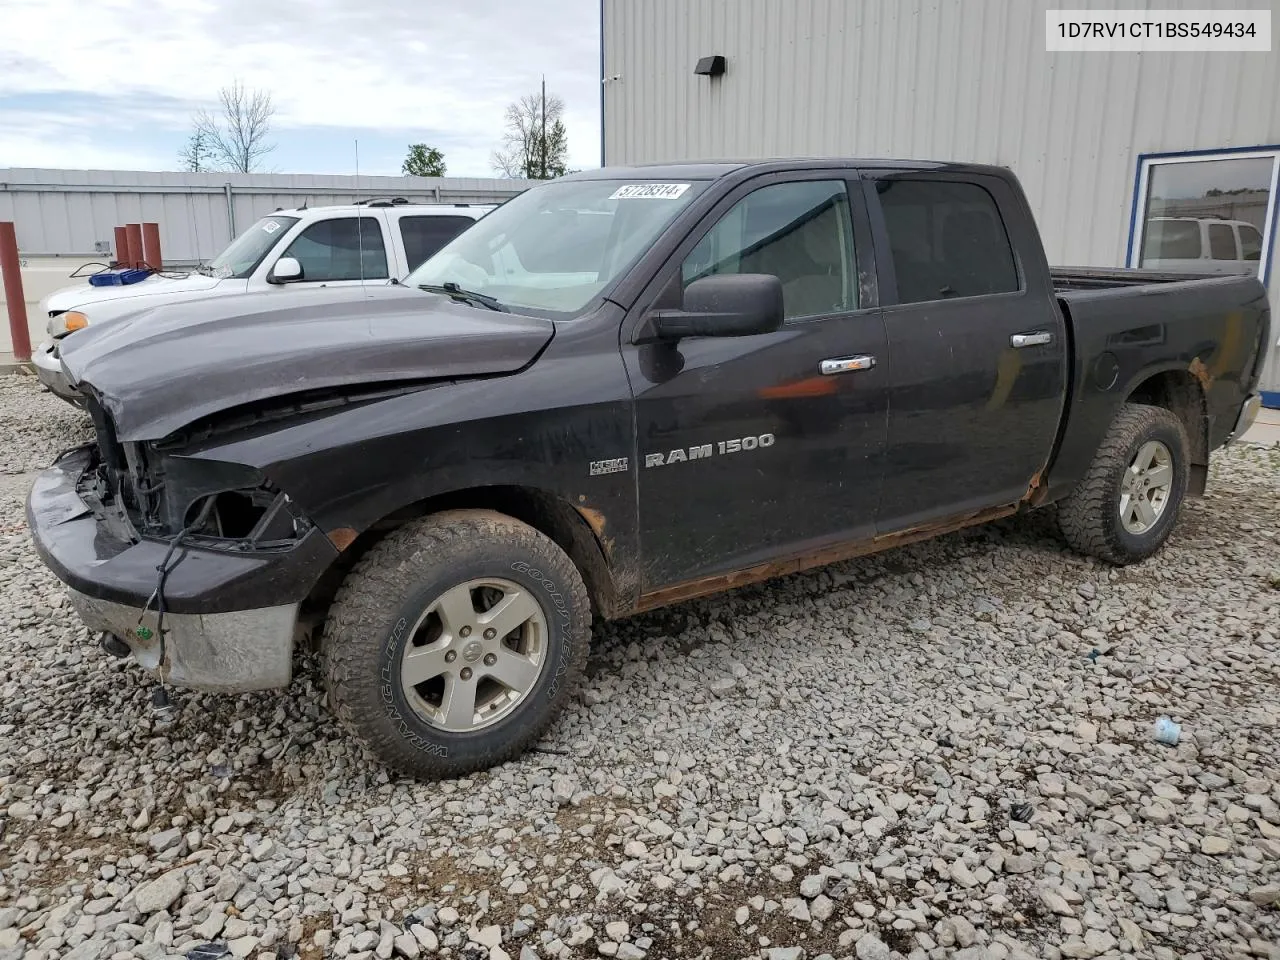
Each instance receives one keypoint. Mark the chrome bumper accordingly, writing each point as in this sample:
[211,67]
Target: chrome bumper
[222,652]
[50,373]
[1248,414]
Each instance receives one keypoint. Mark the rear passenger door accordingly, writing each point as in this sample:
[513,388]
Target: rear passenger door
[422,236]
[977,351]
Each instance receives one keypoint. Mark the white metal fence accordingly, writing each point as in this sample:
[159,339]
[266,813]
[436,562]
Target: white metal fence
[73,212]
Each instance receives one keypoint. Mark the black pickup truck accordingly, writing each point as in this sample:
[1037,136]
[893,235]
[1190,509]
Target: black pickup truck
[620,390]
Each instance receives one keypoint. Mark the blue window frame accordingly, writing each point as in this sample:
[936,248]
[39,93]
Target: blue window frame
[1206,211]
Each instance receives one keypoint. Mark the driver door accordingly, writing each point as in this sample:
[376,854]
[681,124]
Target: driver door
[333,254]
[753,448]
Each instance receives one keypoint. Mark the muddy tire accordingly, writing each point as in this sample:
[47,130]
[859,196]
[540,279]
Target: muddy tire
[1125,507]
[454,642]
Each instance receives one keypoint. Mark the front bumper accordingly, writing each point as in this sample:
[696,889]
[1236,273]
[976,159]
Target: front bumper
[230,618]
[50,373]
[222,652]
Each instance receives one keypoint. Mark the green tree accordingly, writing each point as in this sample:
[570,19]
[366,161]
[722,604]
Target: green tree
[423,161]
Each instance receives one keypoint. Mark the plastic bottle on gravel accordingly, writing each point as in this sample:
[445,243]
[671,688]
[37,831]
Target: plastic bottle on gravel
[1167,732]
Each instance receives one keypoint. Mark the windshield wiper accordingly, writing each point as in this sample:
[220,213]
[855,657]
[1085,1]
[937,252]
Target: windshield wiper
[205,270]
[455,292]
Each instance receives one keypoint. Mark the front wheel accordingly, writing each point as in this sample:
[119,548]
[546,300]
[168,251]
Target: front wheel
[1127,504]
[455,641]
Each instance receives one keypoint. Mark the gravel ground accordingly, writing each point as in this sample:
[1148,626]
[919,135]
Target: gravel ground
[942,751]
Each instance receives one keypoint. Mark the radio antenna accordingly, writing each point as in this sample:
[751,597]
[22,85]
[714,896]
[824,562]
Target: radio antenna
[195,227]
[359,217]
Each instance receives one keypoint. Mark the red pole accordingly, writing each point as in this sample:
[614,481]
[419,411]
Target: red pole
[11,271]
[151,245]
[135,244]
[122,246]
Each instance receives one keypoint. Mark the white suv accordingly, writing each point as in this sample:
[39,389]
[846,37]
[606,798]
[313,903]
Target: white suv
[320,247]
[1206,245]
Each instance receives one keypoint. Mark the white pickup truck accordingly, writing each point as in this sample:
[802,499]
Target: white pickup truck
[317,246]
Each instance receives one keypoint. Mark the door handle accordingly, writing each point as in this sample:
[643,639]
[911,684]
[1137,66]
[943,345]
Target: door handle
[1039,339]
[846,364]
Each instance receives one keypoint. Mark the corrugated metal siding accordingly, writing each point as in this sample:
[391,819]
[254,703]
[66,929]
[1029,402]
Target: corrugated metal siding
[938,80]
[66,211]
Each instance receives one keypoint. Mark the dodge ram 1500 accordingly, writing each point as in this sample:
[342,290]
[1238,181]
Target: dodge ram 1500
[622,389]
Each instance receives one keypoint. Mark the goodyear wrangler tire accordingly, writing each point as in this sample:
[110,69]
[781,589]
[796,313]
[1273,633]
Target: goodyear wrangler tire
[454,642]
[1127,504]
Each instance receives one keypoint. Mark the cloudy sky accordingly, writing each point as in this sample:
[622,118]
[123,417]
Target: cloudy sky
[113,84]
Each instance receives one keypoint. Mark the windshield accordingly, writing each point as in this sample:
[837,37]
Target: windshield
[555,247]
[246,251]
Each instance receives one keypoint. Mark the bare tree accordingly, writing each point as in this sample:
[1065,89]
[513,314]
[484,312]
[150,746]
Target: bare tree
[535,144]
[237,138]
[196,156]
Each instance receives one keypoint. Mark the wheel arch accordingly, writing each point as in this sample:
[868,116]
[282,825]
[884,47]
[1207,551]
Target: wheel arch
[571,528]
[1181,393]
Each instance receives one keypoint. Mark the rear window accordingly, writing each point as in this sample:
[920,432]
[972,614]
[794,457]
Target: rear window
[1172,240]
[423,236]
[947,240]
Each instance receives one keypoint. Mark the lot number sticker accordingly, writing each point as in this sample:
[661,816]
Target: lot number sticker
[649,191]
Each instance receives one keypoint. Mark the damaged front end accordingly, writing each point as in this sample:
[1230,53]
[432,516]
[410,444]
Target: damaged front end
[198,566]
[147,488]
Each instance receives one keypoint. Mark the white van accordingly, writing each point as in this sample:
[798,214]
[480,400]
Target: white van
[319,246]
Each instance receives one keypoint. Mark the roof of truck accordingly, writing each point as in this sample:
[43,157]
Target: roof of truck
[715,169]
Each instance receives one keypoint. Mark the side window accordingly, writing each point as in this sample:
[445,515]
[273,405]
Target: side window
[1170,239]
[946,239]
[1250,243]
[331,250]
[1222,242]
[798,232]
[423,236]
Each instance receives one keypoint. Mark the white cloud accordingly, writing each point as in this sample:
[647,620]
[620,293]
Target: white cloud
[386,64]
[21,149]
[44,139]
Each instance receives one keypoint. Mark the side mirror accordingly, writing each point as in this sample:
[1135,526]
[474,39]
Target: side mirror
[286,270]
[731,305]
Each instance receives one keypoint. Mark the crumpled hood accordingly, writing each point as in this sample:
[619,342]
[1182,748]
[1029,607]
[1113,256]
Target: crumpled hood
[85,294]
[161,368]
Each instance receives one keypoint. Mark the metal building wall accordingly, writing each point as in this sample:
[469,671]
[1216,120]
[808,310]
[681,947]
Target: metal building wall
[64,212]
[938,80]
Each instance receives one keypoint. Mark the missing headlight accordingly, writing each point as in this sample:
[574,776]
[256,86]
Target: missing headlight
[259,518]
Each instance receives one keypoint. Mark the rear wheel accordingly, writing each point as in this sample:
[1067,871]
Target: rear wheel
[455,641]
[1127,504]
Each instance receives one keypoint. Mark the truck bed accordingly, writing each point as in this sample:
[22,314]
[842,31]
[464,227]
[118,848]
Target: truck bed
[1187,330]
[1066,279]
